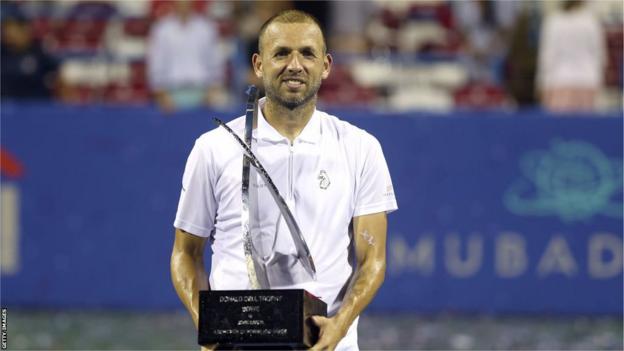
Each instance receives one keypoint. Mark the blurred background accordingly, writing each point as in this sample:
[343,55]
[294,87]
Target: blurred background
[501,122]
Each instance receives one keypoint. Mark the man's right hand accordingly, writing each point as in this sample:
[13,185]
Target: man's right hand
[188,273]
[164,101]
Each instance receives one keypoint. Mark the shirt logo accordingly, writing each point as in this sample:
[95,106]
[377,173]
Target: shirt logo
[389,191]
[324,181]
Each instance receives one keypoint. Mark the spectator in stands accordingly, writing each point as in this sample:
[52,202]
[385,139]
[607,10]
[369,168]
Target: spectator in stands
[571,59]
[485,25]
[521,58]
[185,66]
[27,70]
[348,20]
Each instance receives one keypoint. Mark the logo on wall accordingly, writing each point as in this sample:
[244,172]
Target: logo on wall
[11,170]
[573,180]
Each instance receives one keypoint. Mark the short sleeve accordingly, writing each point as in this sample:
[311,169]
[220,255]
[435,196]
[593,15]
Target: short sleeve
[197,205]
[375,192]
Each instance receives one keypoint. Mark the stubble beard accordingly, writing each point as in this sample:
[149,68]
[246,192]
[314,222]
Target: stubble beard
[294,102]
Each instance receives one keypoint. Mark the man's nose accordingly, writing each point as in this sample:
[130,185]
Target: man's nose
[294,65]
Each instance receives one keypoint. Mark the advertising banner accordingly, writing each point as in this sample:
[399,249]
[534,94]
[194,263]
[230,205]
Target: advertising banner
[504,213]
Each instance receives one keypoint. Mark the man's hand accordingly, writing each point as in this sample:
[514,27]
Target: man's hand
[370,252]
[209,347]
[165,102]
[330,334]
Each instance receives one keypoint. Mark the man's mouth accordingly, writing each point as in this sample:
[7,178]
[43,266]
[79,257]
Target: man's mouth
[294,83]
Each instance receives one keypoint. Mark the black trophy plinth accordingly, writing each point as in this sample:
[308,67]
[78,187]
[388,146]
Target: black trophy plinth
[259,319]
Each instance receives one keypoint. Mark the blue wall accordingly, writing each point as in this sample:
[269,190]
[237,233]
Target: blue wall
[497,213]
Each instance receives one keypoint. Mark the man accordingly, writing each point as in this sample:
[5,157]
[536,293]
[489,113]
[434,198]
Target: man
[185,68]
[27,70]
[332,175]
[571,59]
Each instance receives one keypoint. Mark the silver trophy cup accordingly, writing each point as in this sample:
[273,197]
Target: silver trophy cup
[275,250]
[273,315]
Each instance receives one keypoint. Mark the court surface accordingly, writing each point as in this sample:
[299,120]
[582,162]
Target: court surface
[106,330]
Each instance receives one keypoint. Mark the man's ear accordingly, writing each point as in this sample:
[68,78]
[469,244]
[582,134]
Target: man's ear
[256,62]
[327,64]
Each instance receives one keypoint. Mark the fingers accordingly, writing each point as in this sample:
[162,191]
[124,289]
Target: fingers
[320,321]
[326,338]
[318,347]
[322,346]
[209,347]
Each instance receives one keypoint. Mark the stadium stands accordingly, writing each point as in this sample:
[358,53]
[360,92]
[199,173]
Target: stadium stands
[418,54]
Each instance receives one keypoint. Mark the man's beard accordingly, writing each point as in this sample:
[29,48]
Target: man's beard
[293,102]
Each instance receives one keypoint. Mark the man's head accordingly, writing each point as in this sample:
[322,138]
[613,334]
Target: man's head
[183,8]
[570,5]
[16,33]
[292,58]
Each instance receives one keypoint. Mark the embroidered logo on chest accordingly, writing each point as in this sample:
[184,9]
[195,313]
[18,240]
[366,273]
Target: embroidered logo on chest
[323,179]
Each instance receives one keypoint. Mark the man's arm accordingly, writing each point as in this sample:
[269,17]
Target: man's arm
[369,235]
[187,270]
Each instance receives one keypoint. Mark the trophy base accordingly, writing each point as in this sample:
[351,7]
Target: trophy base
[259,319]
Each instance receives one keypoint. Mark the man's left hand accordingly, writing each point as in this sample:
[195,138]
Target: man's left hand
[330,333]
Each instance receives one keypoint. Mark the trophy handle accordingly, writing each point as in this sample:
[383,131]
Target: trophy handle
[260,271]
[254,268]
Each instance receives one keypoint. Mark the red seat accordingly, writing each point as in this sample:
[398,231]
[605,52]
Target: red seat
[481,95]
[137,27]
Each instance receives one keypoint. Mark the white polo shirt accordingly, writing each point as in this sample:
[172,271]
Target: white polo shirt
[332,172]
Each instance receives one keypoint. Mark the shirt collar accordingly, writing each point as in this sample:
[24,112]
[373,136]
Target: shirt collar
[311,133]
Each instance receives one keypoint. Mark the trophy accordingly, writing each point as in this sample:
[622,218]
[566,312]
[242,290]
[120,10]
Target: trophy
[277,256]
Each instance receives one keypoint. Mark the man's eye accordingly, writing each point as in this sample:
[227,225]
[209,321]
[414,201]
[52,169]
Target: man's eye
[281,54]
[308,54]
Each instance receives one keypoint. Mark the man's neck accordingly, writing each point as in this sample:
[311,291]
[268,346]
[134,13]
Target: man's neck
[289,123]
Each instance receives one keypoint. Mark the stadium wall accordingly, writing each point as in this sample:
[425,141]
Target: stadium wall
[498,212]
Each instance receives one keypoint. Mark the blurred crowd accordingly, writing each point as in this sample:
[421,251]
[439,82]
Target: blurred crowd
[396,55]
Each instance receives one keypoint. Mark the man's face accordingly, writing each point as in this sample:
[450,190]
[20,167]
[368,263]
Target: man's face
[16,34]
[292,63]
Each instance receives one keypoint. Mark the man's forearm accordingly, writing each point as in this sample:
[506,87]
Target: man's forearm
[189,277]
[368,278]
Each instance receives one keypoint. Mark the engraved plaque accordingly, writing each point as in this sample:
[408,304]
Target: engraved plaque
[255,319]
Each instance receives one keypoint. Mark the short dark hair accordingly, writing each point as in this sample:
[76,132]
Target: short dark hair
[571,4]
[291,16]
